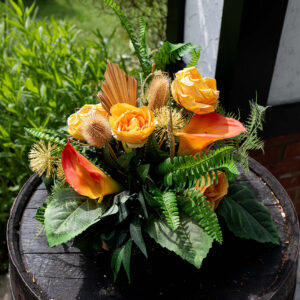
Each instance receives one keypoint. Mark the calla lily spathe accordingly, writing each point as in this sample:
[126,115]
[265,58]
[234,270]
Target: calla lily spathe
[84,177]
[203,130]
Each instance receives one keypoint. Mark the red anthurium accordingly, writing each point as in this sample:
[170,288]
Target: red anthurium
[84,177]
[203,130]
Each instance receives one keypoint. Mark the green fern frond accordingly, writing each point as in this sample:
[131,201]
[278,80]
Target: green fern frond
[194,204]
[195,57]
[186,170]
[48,135]
[171,52]
[244,143]
[141,55]
[168,204]
[142,36]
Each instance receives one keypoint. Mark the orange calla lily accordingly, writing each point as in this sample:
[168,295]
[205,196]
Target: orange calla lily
[84,177]
[203,130]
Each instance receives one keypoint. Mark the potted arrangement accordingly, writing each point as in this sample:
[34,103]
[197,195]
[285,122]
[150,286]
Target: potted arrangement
[153,161]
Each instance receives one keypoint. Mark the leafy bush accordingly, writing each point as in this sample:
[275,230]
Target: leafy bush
[45,76]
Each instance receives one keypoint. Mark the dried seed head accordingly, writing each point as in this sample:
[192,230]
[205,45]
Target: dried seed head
[60,173]
[158,91]
[96,130]
[41,158]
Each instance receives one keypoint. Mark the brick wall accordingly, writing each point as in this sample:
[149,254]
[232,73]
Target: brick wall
[282,158]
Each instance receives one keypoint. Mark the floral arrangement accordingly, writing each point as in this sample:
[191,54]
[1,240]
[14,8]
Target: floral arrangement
[155,157]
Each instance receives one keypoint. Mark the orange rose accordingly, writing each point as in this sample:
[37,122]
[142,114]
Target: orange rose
[215,192]
[131,124]
[75,120]
[197,94]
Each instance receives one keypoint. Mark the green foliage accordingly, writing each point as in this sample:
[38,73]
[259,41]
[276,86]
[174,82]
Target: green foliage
[186,170]
[168,203]
[247,217]
[171,52]
[120,256]
[246,142]
[68,214]
[153,153]
[194,204]
[195,57]
[139,44]
[188,241]
[40,213]
[45,76]
[49,135]
[136,235]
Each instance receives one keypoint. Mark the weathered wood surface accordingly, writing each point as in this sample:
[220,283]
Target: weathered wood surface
[243,270]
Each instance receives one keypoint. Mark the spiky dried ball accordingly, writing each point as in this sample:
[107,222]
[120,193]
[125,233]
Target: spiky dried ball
[96,130]
[158,91]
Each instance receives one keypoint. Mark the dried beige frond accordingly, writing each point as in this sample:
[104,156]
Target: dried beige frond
[162,116]
[117,88]
[96,130]
[158,91]
[41,158]
[60,173]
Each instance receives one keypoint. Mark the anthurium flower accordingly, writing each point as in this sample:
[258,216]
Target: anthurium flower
[213,191]
[131,124]
[195,93]
[203,130]
[84,177]
[75,120]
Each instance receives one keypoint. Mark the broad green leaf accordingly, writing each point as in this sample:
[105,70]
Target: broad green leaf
[188,241]
[247,217]
[68,214]
[143,171]
[141,199]
[120,256]
[136,235]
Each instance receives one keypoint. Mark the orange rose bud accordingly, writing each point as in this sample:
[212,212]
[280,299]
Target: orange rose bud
[214,192]
[203,130]
[84,177]
[75,120]
[131,124]
[196,94]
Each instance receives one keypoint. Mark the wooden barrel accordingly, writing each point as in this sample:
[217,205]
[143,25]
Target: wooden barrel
[239,269]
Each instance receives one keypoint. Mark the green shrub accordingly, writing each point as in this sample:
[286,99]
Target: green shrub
[45,76]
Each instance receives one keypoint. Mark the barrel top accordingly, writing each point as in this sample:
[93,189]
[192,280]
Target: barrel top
[245,268]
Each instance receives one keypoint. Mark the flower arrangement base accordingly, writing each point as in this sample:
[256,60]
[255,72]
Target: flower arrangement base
[238,269]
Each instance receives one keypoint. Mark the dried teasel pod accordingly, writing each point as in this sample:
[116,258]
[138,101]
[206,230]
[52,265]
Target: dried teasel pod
[96,130]
[158,91]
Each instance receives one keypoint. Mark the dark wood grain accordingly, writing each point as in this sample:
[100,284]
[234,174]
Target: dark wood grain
[239,269]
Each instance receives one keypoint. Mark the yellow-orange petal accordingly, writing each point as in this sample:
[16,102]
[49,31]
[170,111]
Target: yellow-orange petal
[84,177]
[75,120]
[131,124]
[203,130]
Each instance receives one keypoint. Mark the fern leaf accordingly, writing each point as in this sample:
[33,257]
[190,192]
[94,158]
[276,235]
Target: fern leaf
[48,135]
[194,204]
[141,55]
[195,57]
[168,203]
[186,170]
[171,52]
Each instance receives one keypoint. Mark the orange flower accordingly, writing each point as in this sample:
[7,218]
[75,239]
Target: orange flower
[203,130]
[197,94]
[214,192]
[75,120]
[131,124]
[84,177]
